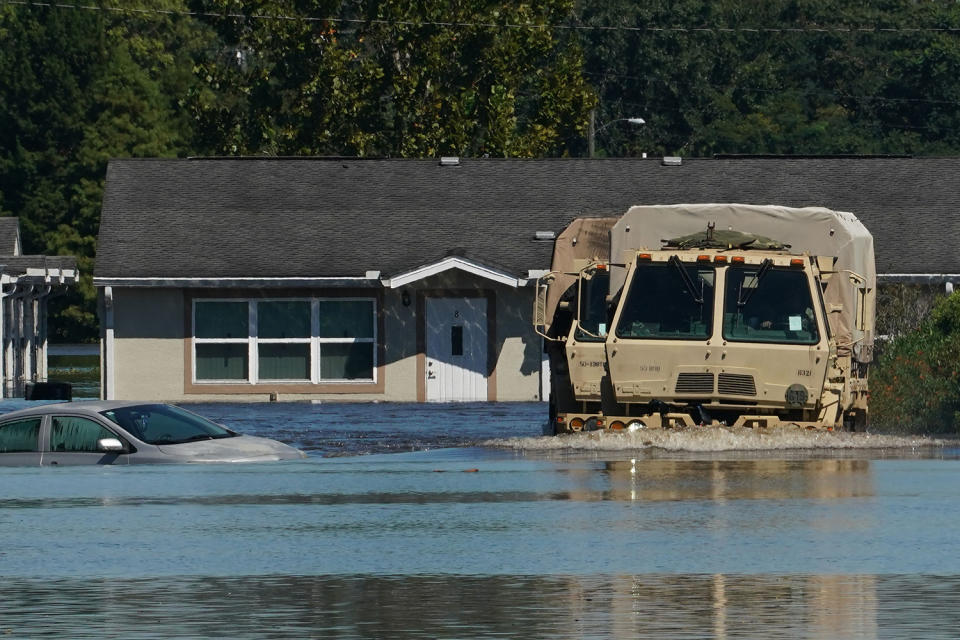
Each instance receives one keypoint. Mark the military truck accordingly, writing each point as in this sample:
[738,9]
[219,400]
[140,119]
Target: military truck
[710,314]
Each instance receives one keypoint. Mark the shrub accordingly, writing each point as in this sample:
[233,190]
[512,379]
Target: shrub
[915,386]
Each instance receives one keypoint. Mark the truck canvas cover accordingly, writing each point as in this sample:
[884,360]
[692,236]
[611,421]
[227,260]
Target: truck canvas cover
[583,239]
[813,230]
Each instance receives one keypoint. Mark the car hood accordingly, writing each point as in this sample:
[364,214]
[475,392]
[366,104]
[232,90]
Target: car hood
[237,449]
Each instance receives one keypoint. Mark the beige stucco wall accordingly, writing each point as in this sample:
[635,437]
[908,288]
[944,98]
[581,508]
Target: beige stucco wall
[519,361]
[400,342]
[148,345]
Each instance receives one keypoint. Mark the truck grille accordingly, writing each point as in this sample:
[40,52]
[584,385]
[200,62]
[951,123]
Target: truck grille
[694,383]
[736,384]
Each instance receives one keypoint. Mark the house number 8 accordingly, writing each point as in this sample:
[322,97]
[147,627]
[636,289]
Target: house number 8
[456,314]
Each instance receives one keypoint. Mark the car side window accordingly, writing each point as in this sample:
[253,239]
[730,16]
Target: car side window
[70,433]
[19,436]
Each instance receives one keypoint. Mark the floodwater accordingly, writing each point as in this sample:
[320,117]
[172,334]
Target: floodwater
[461,521]
[77,364]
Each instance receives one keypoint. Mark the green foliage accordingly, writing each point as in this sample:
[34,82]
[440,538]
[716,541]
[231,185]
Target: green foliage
[758,90]
[391,78]
[915,385]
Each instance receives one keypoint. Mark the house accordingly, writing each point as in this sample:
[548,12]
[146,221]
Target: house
[413,280]
[26,285]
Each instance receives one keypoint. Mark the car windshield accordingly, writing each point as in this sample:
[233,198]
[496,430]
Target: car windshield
[672,301]
[165,424]
[768,305]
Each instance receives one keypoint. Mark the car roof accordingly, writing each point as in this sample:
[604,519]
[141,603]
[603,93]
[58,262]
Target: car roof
[85,406]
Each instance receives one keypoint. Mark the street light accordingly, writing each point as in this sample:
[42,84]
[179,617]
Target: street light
[591,137]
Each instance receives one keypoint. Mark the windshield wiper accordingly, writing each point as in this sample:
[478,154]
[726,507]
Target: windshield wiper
[765,266]
[199,436]
[687,280]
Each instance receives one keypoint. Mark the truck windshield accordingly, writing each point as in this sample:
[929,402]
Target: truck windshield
[593,307]
[672,301]
[776,307]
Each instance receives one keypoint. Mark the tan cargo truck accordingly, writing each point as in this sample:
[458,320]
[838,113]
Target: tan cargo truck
[710,314]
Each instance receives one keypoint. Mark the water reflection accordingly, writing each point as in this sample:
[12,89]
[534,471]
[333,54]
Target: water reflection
[498,479]
[513,606]
[654,480]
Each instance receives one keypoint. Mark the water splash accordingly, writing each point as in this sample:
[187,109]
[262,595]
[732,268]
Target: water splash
[710,439]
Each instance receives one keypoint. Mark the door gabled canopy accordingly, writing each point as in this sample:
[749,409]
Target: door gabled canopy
[453,262]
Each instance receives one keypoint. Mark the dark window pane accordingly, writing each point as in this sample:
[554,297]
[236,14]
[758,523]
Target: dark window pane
[283,319]
[284,361]
[776,307]
[19,436]
[349,361]
[346,318]
[593,307]
[221,361]
[663,304]
[221,320]
[77,434]
[456,341]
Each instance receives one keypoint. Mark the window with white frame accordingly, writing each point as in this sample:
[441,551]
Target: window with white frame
[314,340]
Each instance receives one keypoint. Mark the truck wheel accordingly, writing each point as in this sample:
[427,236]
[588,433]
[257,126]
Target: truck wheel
[855,421]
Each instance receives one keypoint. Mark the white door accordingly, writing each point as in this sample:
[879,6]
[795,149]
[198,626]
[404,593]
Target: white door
[456,349]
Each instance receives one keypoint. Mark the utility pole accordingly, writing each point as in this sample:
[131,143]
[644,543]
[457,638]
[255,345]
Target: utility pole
[592,133]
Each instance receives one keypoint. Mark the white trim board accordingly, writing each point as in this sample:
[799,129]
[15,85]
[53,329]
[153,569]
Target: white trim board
[452,263]
[918,278]
[224,283]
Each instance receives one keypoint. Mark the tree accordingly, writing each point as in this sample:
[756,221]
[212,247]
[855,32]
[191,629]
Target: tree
[915,385]
[793,77]
[76,88]
[392,78]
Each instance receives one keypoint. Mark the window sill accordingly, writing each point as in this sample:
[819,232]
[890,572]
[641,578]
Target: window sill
[238,388]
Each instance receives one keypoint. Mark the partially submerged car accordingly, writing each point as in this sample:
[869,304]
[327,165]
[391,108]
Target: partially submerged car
[126,433]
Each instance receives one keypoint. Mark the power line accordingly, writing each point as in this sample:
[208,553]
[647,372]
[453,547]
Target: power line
[494,25]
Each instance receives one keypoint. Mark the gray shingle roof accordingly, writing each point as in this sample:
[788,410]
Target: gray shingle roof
[18,265]
[309,217]
[9,235]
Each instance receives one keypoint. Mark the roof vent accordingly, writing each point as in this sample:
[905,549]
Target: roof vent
[671,161]
[544,236]
[450,161]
